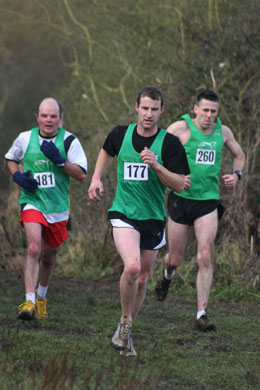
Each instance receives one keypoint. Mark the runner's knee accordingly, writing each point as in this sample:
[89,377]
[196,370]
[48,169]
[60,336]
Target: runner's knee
[49,260]
[34,250]
[132,270]
[143,279]
[48,255]
[204,258]
[173,259]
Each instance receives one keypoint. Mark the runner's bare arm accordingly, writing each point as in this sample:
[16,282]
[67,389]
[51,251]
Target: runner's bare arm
[103,162]
[12,167]
[233,146]
[74,171]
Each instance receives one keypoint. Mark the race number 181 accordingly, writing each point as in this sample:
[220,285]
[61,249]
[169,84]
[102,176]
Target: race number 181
[45,179]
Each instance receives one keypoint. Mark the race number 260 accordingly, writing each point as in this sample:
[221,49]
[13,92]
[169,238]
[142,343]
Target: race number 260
[205,156]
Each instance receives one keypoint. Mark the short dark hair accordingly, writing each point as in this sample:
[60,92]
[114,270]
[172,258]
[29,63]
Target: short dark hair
[152,92]
[59,105]
[208,95]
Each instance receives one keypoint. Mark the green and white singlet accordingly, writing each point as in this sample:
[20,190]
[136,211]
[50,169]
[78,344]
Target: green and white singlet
[139,193]
[204,153]
[51,195]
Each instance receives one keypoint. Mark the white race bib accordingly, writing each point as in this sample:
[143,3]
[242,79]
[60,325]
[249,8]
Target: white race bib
[135,171]
[45,179]
[205,156]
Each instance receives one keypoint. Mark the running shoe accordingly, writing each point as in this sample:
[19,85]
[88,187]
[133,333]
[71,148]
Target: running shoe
[41,309]
[205,325]
[161,289]
[121,336]
[129,350]
[26,311]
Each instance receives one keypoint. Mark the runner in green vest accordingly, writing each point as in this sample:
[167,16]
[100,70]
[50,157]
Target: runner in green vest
[41,161]
[149,159]
[203,138]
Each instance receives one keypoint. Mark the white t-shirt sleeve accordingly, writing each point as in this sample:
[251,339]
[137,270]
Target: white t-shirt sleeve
[76,154]
[18,148]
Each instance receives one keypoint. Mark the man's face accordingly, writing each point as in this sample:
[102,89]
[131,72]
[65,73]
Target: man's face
[206,113]
[48,118]
[149,112]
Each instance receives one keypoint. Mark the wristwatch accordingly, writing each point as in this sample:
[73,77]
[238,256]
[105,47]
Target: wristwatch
[239,174]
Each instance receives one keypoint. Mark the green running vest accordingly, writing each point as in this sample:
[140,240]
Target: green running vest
[52,194]
[204,158]
[139,193]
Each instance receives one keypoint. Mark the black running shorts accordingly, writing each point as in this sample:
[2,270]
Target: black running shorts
[152,232]
[186,211]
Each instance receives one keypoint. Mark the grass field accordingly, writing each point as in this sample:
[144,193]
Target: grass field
[71,349]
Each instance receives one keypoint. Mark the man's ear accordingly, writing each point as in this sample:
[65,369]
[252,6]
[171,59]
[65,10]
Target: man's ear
[61,123]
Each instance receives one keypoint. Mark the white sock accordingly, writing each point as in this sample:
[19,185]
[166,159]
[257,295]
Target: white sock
[167,276]
[42,291]
[200,313]
[30,297]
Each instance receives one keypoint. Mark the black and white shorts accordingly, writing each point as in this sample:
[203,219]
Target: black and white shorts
[186,211]
[152,232]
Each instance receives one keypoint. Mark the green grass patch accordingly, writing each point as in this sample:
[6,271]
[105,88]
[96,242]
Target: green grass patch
[71,349]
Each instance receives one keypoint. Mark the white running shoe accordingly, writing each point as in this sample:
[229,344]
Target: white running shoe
[121,336]
[129,350]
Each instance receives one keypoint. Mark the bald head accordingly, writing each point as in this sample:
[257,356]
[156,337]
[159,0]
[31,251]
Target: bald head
[50,100]
[49,116]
